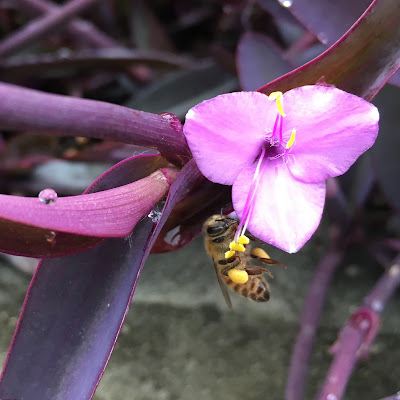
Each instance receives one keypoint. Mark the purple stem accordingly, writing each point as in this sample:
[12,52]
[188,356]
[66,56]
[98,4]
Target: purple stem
[78,27]
[357,335]
[41,26]
[308,323]
[34,111]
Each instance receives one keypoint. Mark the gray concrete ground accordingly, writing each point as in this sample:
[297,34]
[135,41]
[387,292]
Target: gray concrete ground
[180,342]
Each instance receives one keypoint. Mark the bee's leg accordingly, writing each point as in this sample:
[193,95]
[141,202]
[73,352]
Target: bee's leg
[257,270]
[225,270]
[233,261]
[262,256]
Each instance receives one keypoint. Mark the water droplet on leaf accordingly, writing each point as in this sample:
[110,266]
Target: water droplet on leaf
[173,121]
[286,3]
[155,215]
[51,237]
[48,196]
[323,38]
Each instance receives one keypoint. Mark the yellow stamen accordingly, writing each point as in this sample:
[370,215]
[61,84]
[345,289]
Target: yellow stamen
[236,246]
[229,254]
[243,239]
[278,96]
[258,252]
[289,144]
[238,275]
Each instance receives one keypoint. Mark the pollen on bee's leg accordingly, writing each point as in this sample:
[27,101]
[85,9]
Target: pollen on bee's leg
[237,246]
[238,275]
[229,254]
[258,252]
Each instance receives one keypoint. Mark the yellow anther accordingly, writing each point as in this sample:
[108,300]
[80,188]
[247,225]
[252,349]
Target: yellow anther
[289,144]
[258,252]
[236,246]
[243,239]
[275,95]
[278,96]
[238,275]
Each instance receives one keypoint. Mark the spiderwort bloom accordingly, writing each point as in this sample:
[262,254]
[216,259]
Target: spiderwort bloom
[277,152]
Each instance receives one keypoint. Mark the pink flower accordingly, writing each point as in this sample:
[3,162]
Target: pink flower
[277,152]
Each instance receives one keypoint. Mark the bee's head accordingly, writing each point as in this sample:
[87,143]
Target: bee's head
[217,225]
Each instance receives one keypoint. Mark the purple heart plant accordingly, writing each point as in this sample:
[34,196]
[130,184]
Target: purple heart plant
[271,153]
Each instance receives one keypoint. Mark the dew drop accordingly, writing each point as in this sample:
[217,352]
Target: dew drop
[48,196]
[155,215]
[51,237]
[331,396]
[377,305]
[323,38]
[286,3]
[173,121]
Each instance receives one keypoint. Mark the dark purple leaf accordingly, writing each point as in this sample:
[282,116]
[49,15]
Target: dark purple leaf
[42,26]
[74,310]
[109,213]
[385,152]
[22,239]
[328,20]
[360,62]
[88,59]
[259,60]
[83,30]
[179,91]
[277,10]
[187,218]
[31,110]
[147,31]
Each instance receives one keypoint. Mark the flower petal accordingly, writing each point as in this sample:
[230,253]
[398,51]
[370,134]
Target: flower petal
[286,211]
[225,133]
[333,128]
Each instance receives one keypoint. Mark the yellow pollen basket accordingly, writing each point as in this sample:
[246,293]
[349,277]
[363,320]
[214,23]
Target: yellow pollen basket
[278,96]
[238,275]
[237,246]
[229,254]
[289,144]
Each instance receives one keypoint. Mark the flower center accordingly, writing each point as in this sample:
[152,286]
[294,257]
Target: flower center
[273,148]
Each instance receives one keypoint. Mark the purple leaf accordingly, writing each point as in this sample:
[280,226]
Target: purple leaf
[74,310]
[42,26]
[31,65]
[328,20]
[385,153]
[187,218]
[109,213]
[360,62]
[259,60]
[22,239]
[23,109]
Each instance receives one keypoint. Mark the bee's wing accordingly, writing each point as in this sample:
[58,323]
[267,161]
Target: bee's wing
[223,287]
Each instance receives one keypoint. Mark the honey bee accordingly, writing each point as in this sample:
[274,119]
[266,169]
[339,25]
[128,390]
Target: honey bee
[219,232]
